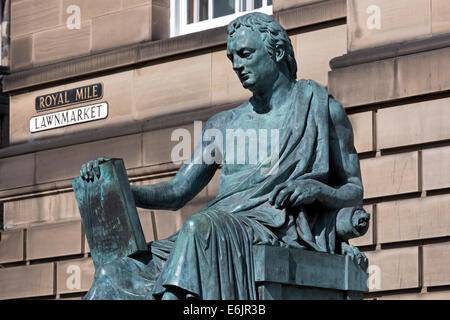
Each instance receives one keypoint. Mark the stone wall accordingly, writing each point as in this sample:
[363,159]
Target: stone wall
[40,33]
[398,74]
[400,20]
[396,104]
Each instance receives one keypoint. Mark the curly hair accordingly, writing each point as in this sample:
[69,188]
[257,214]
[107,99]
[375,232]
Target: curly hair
[272,34]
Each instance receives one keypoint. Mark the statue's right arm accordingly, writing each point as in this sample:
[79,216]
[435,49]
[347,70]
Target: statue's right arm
[190,179]
[175,193]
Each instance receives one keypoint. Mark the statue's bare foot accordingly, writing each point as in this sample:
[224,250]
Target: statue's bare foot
[354,253]
[173,293]
[170,296]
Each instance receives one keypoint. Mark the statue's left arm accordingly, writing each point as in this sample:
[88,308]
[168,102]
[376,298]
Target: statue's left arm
[344,163]
[346,189]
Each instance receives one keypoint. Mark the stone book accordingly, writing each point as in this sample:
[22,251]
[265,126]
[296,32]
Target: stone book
[109,214]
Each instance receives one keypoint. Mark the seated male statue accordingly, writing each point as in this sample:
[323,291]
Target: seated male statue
[292,200]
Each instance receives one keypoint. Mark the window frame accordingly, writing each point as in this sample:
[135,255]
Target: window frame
[178,16]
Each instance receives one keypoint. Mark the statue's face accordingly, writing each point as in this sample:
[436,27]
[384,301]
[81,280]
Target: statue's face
[251,61]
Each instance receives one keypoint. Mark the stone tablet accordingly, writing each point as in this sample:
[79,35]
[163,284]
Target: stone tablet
[109,214]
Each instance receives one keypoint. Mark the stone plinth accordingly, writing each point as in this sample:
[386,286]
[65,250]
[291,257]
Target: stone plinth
[295,274]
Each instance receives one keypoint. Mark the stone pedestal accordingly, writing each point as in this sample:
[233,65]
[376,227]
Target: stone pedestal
[295,274]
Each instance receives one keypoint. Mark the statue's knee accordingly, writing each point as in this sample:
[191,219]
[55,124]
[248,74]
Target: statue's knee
[103,271]
[197,223]
[107,270]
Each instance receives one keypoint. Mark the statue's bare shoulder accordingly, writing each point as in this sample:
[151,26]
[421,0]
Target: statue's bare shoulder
[226,118]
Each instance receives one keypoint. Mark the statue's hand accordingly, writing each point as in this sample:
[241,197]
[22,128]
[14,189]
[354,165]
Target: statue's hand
[295,193]
[91,169]
[356,255]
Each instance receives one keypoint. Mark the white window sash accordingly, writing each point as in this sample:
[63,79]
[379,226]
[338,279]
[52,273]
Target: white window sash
[249,5]
[196,10]
[210,9]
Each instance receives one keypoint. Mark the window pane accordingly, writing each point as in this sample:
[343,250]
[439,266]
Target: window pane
[202,11]
[244,6]
[257,4]
[190,11]
[269,2]
[247,5]
[203,14]
[222,8]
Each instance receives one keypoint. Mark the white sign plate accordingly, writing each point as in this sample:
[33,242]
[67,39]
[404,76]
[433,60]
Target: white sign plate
[69,117]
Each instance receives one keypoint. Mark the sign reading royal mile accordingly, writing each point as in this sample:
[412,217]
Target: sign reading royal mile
[72,116]
[68,97]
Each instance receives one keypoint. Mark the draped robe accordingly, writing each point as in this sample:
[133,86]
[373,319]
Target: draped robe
[211,256]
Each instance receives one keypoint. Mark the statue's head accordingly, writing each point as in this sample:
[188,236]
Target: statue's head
[259,49]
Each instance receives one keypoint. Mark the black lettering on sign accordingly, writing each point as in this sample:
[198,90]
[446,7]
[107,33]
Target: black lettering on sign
[68,97]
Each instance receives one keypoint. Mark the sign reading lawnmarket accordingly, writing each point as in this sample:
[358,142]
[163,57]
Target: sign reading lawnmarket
[69,117]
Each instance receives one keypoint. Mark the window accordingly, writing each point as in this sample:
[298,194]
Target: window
[187,16]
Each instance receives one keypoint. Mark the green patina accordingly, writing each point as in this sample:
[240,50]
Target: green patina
[312,201]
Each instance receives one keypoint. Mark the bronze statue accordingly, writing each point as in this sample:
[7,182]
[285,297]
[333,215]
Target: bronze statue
[309,196]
